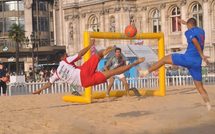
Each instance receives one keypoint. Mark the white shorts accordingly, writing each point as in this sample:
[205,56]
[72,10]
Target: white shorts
[120,76]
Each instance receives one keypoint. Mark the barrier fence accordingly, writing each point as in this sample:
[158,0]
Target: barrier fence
[147,82]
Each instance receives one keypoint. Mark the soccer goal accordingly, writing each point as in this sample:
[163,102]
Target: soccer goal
[89,95]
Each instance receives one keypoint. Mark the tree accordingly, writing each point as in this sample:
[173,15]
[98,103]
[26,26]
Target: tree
[17,34]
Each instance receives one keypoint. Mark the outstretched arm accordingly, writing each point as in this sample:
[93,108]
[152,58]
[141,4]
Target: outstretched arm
[84,51]
[44,87]
[108,64]
[182,21]
[198,47]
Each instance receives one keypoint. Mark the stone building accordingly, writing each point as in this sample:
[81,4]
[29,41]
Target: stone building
[36,17]
[73,17]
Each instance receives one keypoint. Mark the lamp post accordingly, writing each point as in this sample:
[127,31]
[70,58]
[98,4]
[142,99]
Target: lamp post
[33,41]
[32,53]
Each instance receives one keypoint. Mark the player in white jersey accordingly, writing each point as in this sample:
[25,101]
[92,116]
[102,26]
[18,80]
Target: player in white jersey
[86,74]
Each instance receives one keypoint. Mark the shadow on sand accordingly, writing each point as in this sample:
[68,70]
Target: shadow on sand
[134,114]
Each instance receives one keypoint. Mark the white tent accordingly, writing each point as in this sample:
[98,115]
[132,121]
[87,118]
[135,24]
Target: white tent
[135,51]
[144,51]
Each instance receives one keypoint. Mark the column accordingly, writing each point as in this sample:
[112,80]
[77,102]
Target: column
[207,28]
[28,19]
[184,16]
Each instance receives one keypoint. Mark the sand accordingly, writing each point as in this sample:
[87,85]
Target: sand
[182,111]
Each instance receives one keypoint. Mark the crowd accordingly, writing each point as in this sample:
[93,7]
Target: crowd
[40,75]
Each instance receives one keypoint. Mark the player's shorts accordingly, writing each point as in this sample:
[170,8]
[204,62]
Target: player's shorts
[120,76]
[193,64]
[89,75]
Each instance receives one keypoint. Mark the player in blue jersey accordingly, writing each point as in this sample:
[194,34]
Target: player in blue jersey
[192,59]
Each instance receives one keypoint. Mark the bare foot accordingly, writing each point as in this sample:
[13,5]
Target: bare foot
[140,60]
[107,50]
[37,92]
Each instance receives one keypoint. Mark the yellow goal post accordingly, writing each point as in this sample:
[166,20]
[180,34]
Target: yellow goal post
[88,95]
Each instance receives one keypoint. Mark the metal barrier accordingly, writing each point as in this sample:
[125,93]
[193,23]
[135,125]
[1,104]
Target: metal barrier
[147,82]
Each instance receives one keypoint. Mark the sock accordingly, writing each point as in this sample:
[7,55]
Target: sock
[208,106]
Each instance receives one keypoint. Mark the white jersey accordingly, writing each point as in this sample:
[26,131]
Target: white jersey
[67,71]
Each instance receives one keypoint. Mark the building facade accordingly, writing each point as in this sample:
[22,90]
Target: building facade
[36,18]
[73,17]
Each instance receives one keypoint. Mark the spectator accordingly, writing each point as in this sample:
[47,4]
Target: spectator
[114,62]
[3,79]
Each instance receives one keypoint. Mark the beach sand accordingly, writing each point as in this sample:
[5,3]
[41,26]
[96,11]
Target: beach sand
[181,111]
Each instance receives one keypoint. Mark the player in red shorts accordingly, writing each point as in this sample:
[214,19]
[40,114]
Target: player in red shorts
[86,74]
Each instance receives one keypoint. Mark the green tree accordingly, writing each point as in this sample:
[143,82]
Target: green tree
[17,34]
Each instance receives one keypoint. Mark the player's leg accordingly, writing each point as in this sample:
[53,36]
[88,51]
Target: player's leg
[90,66]
[125,83]
[203,93]
[110,84]
[1,88]
[121,69]
[4,86]
[196,73]
[165,60]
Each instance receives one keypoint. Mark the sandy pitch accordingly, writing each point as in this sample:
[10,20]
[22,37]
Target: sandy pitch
[180,112]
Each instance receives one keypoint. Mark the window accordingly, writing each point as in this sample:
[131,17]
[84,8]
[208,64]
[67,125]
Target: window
[34,23]
[13,6]
[197,13]
[51,15]
[1,7]
[1,24]
[43,6]
[175,15]
[9,21]
[156,24]
[22,21]
[112,24]
[93,23]
[52,35]
[43,24]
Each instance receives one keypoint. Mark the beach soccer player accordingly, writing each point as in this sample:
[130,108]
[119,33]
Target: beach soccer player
[114,62]
[191,59]
[85,75]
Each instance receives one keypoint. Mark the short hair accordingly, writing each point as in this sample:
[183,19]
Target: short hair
[118,49]
[192,21]
[60,54]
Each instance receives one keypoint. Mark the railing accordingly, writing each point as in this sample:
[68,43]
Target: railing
[147,82]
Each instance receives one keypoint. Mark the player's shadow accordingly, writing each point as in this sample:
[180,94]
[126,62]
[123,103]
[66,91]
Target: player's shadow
[47,107]
[181,91]
[201,128]
[134,114]
[197,105]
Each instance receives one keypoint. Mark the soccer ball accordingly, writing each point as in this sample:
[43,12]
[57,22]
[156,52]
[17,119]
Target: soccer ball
[130,31]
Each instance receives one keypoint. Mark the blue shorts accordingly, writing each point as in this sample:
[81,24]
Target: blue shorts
[193,64]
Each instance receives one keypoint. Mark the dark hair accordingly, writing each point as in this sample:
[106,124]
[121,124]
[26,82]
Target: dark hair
[60,54]
[118,49]
[192,21]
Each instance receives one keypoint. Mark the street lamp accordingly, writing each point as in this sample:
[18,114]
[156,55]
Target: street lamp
[33,42]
